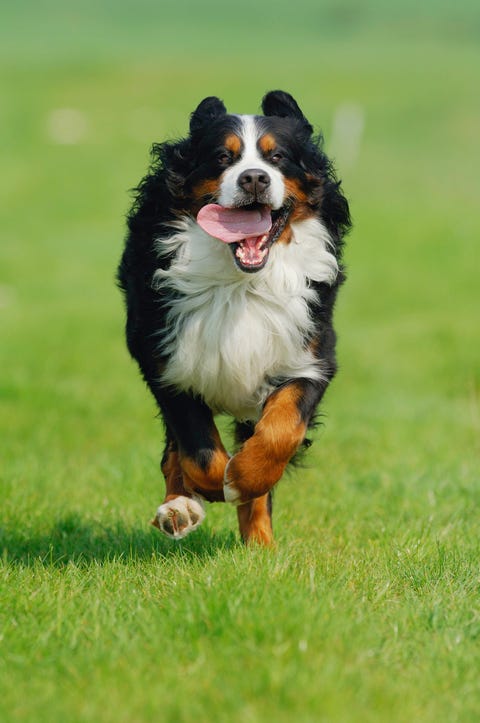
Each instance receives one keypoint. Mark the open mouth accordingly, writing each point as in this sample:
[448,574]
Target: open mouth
[249,230]
[251,254]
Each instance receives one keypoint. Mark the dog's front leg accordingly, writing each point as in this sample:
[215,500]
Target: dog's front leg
[181,511]
[260,463]
[193,464]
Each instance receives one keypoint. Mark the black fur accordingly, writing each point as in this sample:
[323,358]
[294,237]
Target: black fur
[166,191]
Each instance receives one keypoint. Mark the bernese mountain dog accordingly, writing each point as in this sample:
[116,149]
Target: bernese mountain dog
[230,271]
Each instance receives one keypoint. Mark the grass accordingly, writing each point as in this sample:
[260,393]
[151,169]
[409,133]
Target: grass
[368,609]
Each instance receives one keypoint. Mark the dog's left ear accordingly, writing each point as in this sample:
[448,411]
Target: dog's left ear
[283,105]
[209,110]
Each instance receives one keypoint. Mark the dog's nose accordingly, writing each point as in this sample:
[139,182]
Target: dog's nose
[254,181]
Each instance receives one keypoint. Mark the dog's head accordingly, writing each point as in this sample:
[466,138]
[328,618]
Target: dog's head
[248,178]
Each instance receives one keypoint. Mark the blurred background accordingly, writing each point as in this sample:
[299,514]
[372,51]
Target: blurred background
[86,88]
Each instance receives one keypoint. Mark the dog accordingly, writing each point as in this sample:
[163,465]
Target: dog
[230,271]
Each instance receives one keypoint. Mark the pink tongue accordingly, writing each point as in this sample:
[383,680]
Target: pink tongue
[233,224]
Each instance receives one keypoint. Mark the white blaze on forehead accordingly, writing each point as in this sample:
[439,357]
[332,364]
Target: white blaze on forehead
[250,136]
[250,158]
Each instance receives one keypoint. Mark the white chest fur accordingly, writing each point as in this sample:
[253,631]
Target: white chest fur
[230,333]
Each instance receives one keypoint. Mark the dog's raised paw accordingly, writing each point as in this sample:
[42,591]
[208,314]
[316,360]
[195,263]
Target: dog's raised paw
[179,516]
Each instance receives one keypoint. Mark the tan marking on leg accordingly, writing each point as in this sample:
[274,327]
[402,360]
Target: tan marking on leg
[180,513]
[172,472]
[258,466]
[173,481]
[255,522]
[206,482]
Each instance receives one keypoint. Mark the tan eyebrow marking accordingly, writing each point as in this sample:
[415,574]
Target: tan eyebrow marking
[233,144]
[267,143]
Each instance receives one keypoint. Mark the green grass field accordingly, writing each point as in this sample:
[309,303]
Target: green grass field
[369,607]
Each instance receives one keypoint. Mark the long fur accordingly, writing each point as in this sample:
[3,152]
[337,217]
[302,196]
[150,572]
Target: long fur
[258,322]
[211,335]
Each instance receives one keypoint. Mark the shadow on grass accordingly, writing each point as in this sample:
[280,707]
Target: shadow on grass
[72,539]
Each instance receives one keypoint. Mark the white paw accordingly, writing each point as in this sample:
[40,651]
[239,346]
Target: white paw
[180,516]
[230,492]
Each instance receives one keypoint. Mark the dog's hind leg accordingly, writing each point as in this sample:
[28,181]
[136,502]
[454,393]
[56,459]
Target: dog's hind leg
[255,520]
[255,516]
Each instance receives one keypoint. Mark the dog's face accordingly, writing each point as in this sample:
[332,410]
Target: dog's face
[253,175]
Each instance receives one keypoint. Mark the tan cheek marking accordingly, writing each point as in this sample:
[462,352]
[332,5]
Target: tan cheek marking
[302,212]
[294,190]
[204,189]
[302,208]
[286,235]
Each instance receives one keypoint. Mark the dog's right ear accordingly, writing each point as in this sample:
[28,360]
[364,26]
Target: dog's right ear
[209,110]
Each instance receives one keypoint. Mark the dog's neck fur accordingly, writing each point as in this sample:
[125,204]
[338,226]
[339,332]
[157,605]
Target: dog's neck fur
[230,334]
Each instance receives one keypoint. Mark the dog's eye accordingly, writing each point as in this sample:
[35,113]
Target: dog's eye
[276,158]
[224,158]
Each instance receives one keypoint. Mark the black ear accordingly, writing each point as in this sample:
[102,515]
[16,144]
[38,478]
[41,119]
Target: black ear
[208,110]
[283,105]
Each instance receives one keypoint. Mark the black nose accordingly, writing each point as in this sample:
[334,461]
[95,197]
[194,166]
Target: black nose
[254,181]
